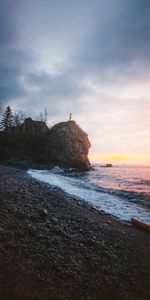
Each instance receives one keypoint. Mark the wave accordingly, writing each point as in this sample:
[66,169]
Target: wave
[120,204]
[83,180]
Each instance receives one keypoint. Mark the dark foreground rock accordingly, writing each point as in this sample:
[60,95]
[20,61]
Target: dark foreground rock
[55,247]
[65,144]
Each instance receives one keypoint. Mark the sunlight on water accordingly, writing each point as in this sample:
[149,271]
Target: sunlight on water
[114,190]
[136,179]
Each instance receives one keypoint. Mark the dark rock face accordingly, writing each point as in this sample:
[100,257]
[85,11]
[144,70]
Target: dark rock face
[65,144]
[69,145]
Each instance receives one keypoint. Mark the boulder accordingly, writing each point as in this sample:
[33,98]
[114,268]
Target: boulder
[69,145]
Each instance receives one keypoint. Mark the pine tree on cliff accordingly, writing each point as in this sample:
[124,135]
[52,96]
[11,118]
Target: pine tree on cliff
[7,118]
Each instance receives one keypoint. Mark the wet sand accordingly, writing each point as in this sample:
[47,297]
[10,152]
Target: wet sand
[53,246]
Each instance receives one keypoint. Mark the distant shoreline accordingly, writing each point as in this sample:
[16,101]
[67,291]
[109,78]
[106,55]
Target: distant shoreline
[53,246]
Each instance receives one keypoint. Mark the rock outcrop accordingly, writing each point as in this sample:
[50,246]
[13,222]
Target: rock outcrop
[65,144]
[69,145]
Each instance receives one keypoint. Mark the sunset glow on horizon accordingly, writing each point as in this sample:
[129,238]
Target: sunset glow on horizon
[120,158]
[88,58]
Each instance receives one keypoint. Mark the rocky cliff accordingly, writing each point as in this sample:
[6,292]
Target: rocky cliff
[69,145]
[65,144]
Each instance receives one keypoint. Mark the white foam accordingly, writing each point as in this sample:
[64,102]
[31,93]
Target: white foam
[111,204]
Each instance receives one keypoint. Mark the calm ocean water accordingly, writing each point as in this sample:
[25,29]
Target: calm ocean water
[123,191]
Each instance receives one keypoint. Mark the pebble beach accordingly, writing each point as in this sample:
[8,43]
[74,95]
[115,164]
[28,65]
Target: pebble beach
[53,246]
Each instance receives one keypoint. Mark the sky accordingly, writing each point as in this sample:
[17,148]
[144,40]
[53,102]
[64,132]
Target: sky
[88,58]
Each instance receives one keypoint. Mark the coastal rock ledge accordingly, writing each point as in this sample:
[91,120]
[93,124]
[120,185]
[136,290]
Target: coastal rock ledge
[69,145]
[65,145]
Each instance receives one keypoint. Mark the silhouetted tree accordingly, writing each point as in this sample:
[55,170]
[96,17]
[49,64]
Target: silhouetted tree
[45,114]
[18,118]
[7,118]
[42,116]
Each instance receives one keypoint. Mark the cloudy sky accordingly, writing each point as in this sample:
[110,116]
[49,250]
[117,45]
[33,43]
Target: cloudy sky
[91,58]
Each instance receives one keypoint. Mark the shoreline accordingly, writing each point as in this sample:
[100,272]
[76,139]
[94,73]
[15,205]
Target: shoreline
[53,246]
[116,202]
[81,201]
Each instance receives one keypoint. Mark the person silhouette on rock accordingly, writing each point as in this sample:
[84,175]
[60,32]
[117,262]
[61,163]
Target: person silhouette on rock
[70,117]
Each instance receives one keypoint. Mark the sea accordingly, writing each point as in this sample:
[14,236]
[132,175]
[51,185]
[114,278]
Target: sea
[122,191]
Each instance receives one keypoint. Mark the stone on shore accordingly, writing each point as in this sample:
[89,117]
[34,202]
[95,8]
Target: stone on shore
[75,252]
